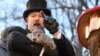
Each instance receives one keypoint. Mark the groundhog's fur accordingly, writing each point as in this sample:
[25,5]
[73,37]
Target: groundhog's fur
[38,36]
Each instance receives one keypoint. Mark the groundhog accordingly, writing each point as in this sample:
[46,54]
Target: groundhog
[40,37]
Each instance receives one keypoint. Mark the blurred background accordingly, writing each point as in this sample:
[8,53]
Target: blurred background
[66,12]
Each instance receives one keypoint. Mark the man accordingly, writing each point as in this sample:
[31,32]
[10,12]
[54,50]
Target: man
[88,30]
[93,42]
[3,48]
[3,40]
[88,21]
[35,16]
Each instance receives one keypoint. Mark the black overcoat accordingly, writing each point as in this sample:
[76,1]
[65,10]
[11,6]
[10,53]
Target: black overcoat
[19,45]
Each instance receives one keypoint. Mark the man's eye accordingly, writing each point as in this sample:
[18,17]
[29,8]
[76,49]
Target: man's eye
[33,16]
[40,16]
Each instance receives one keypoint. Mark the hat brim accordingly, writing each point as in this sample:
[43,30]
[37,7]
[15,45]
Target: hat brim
[83,21]
[27,12]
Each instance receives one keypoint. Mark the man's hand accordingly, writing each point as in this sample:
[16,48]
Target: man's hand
[50,23]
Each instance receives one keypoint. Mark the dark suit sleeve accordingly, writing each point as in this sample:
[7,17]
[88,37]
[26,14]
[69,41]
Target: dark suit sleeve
[64,47]
[20,42]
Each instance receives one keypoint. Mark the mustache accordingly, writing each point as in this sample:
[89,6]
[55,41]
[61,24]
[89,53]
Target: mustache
[37,24]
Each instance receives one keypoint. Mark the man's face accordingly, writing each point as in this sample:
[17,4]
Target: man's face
[35,19]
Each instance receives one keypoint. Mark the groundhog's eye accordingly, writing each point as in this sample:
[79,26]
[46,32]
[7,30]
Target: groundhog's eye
[38,34]
[31,35]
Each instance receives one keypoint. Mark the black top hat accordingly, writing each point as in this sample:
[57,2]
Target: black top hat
[36,5]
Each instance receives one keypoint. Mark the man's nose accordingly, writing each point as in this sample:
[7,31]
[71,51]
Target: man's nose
[37,18]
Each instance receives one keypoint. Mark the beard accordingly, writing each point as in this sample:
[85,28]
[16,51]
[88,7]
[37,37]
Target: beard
[35,26]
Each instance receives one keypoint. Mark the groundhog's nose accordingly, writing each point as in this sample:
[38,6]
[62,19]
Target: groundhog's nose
[34,39]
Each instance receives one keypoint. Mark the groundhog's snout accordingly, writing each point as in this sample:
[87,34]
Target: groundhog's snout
[37,35]
[34,39]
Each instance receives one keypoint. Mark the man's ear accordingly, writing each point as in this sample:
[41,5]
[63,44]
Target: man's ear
[26,19]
